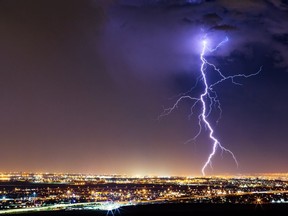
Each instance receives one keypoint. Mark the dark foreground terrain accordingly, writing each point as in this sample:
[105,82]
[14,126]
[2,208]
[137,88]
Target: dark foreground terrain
[180,209]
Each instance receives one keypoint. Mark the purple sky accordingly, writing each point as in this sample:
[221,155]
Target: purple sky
[83,82]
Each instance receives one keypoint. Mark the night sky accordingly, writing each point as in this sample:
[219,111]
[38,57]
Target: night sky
[83,82]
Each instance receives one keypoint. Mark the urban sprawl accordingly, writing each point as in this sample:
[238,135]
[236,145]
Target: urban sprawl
[45,191]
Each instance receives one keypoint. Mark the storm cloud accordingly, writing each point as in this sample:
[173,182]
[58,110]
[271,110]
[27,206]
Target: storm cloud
[170,31]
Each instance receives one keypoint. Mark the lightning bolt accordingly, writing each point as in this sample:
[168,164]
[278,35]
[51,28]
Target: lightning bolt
[207,99]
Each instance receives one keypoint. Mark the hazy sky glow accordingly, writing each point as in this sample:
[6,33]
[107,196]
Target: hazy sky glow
[83,82]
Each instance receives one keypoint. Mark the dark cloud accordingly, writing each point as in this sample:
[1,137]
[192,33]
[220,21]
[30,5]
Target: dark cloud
[261,22]
[224,27]
[211,19]
[141,3]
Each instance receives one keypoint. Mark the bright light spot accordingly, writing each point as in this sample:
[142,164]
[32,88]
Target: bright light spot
[110,206]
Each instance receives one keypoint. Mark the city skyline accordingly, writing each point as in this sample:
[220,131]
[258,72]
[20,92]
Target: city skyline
[83,84]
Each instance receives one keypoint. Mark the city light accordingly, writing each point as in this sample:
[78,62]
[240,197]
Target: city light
[93,192]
